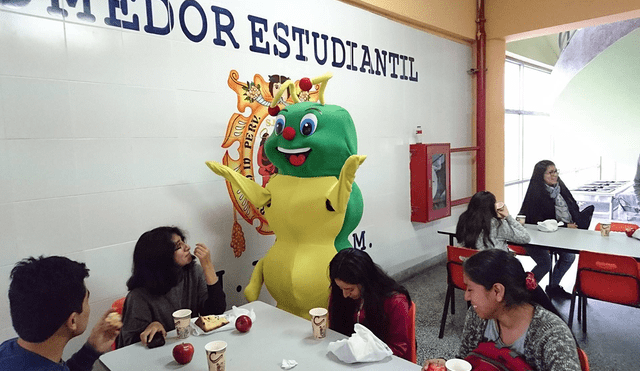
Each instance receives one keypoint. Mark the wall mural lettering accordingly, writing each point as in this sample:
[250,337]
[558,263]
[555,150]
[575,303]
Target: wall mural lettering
[219,24]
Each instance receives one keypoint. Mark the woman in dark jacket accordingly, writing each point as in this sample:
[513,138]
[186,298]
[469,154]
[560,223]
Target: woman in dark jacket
[548,198]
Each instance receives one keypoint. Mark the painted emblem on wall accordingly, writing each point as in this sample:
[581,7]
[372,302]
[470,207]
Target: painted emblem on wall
[250,133]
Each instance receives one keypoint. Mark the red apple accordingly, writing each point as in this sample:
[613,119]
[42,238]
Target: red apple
[630,231]
[243,323]
[183,353]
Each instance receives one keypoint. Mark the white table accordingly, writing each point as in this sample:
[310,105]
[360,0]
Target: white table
[275,335]
[575,240]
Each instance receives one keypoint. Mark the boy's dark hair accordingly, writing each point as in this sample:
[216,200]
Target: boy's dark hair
[43,293]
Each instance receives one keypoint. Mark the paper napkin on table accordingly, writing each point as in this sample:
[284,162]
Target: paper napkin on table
[549,225]
[288,364]
[363,346]
[636,234]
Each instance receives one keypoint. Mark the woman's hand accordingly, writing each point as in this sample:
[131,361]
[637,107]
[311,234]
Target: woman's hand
[151,330]
[572,225]
[436,364]
[502,210]
[204,256]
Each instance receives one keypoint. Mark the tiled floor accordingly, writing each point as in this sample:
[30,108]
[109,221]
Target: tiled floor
[612,341]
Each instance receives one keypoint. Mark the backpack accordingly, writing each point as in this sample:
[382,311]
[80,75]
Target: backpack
[488,357]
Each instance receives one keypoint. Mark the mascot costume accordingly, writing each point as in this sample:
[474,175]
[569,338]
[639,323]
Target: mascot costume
[312,203]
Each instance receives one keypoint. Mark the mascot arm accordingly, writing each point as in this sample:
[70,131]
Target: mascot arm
[257,195]
[339,195]
[252,291]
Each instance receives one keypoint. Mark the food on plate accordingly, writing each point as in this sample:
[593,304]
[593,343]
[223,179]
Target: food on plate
[114,319]
[243,323]
[183,353]
[212,322]
[436,365]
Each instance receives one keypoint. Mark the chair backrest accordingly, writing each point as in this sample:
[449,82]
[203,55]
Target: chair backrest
[519,250]
[412,333]
[455,257]
[618,227]
[584,361]
[608,277]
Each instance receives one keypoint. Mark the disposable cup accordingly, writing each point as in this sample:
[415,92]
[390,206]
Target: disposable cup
[319,322]
[457,365]
[521,219]
[605,229]
[182,321]
[215,355]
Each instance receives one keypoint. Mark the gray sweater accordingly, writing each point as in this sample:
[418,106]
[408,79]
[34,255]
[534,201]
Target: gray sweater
[503,231]
[192,292]
[549,344]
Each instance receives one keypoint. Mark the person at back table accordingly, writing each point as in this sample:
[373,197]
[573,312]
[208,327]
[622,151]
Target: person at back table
[548,198]
[487,225]
[636,182]
[509,310]
[361,292]
[49,306]
[166,278]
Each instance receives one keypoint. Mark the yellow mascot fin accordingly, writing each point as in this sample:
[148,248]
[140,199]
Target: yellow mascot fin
[252,291]
[339,195]
[257,195]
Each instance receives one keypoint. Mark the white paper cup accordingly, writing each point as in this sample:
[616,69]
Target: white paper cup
[319,322]
[605,229]
[521,219]
[182,321]
[215,355]
[457,365]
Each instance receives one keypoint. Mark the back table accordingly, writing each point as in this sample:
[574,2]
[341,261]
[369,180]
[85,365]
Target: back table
[275,335]
[574,240]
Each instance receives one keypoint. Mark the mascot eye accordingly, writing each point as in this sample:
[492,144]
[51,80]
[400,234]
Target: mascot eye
[308,124]
[280,121]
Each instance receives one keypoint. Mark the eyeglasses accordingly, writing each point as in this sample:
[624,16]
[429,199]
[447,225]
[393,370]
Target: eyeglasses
[181,245]
[553,172]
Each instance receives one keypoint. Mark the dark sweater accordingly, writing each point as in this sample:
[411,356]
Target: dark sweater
[192,292]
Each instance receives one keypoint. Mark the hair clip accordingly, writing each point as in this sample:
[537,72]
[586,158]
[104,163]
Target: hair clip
[531,281]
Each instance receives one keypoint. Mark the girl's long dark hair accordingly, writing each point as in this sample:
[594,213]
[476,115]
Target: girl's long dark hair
[492,266]
[356,267]
[477,219]
[154,267]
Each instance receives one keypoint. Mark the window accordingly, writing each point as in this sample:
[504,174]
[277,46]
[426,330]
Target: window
[528,133]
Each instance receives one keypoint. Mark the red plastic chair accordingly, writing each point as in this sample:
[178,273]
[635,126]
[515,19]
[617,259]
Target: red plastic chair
[117,305]
[517,249]
[412,333]
[618,227]
[584,360]
[455,257]
[606,277]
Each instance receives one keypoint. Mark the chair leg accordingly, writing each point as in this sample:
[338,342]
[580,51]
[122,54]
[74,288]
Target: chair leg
[446,308]
[579,309]
[453,302]
[584,315]
[571,308]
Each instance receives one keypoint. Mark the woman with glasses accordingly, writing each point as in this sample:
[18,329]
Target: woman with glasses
[549,198]
[166,278]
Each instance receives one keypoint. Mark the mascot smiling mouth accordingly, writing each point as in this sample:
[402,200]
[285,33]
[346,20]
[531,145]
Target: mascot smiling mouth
[296,156]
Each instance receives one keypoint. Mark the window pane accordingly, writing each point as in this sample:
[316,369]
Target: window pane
[537,142]
[512,148]
[511,85]
[536,89]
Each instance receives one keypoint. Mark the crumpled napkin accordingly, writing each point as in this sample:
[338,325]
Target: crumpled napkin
[230,315]
[549,225]
[636,234]
[288,364]
[363,346]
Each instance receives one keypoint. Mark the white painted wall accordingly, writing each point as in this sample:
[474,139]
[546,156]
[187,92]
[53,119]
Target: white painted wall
[104,132]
